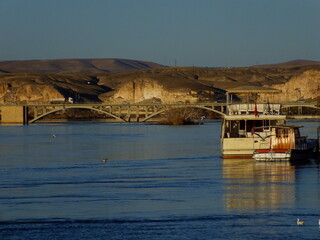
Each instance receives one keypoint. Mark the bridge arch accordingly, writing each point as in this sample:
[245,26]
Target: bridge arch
[76,107]
[305,106]
[182,106]
[299,108]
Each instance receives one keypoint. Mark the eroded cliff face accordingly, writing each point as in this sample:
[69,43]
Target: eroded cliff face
[28,93]
[304,86]
[41,88]
[22,90]
[150,90]
[139,90]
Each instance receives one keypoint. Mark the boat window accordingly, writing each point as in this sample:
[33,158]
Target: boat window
[273,122]
[281,132]
[234,129]
[254,123]
[242,125]
[266,123]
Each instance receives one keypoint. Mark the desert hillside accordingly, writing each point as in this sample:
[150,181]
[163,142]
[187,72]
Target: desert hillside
[162,84]
[79,66]
[297,62]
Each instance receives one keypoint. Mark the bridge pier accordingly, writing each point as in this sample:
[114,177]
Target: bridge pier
[14,114]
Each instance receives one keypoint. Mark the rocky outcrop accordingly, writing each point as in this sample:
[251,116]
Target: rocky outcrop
[305,86]
[40,88]
[28,93]
[146,89]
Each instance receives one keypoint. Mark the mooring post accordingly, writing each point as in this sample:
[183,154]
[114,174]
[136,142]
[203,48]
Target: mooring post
[25,114]
[137,114]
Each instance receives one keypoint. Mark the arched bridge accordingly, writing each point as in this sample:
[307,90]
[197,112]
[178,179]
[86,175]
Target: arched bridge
[121,112]
[300,106]
[27,114]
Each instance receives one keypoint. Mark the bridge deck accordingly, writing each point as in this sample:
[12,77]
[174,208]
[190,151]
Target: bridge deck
[125,112]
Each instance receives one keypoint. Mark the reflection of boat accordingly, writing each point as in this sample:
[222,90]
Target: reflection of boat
[251,185]
[285,143]
[237,138]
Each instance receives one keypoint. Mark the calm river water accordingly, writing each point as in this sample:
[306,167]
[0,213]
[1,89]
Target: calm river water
[159,182]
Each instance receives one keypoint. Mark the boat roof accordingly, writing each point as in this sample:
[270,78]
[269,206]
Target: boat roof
[253,89]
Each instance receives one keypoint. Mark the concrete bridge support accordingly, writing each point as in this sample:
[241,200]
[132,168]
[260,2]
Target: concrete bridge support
[13,115]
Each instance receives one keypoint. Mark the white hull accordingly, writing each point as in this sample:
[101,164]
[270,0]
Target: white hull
[272,156]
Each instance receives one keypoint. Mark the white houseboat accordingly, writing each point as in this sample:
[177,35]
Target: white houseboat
[237,135]
[258,130]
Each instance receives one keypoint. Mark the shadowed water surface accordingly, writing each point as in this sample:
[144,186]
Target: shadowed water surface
[160,182]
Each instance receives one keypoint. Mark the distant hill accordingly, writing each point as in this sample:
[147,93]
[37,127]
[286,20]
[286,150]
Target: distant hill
[166,84]
[298,62]
[79,66]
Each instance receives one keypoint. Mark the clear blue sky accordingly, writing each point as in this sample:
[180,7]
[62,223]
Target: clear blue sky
[191,32]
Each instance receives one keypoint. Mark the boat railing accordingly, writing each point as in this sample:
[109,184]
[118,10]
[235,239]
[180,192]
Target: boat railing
[301,143]
[253,108]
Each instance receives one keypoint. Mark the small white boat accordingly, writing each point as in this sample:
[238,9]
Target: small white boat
[272,155]
[285,144]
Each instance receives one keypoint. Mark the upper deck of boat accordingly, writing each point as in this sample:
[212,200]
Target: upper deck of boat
[252,111]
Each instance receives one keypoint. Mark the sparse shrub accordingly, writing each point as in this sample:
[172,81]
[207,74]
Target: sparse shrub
[181,116]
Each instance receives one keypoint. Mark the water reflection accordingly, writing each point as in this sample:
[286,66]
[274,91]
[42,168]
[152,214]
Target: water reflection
[252,186]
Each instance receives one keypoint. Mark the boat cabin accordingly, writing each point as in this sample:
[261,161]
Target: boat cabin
[242,126]
[282,137]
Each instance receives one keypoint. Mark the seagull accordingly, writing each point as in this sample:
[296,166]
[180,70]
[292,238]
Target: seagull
[262,139]
[319,222]
[300,222]
[53,136]
[104,160]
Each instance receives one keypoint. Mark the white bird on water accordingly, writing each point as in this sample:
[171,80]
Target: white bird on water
[53,136]
[299,222]
[104,160]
